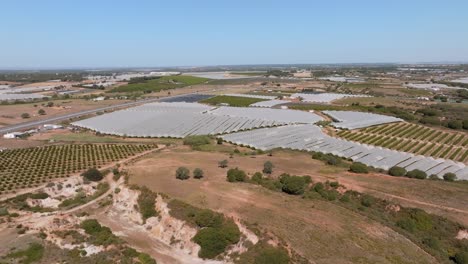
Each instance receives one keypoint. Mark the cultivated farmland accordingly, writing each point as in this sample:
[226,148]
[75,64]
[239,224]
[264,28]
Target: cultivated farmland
[233,100]
[159,84]
[414,139]
[30,167]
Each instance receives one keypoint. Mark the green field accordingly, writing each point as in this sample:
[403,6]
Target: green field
[160,84]
[30,167]
[232,100]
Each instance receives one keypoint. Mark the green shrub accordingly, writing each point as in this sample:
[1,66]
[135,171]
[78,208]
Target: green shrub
[461,258]
[32,254]
[234,175]
[367,200]
[358,167]
[214,240]
[198,173]
[271,255]
[268,167]
[92,174]
[208,218]
[257,178]
[223,163]
[293,184]
[146,203]
[449,176]
[146,259]
[196,141]
[397,171]
[182,173]
[39,196]
[99,235]
[3,211]
[416,174]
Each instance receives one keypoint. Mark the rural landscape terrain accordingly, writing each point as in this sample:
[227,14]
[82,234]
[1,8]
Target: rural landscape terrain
[329,163]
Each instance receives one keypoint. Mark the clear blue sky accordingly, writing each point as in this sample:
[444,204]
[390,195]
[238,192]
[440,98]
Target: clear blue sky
[105,33]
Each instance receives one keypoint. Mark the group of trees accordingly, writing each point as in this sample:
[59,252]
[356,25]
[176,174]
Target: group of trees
[418,174]
[183,173]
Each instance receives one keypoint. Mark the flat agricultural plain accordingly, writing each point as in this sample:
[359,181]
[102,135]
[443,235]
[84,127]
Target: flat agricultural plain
[415,139]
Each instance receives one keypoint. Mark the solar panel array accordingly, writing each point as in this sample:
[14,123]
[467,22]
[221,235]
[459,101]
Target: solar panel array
[323,97]
[354,120]
[183,119]
[269,103]
[311,138]
[267,97]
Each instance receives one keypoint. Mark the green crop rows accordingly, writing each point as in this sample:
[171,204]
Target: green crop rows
[31,167]
[414,139]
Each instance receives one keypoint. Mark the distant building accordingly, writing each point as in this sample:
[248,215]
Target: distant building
[100,98]
[13,135]
[51,127]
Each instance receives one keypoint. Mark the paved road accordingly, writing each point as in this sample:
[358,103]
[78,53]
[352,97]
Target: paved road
[34,124]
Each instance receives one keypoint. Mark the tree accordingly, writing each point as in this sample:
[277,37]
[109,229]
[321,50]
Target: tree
[198,173]
[417,174]
[182,173]
[455,124]
[397,171]
[219,141]
[41,112]
[358,167]
[449,176]
[293,184]
[25,115]
[223,163]
[50,104]
[234,175]
[268,167]
[92,174]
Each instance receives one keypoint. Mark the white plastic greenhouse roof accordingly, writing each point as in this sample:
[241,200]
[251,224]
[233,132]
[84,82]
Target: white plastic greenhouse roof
[323,97]
[269,103]
[354,120]
[311,138]
[267,97]
[280,115]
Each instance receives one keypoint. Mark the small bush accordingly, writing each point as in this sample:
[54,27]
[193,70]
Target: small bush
[198,173]
[223,163]
[92,174]
[257,178]
[461,258]
[268,167]
[146,203]
[182,173]
[367,200]
[397,171]
[32,254]
[293,184]
[416,174]
[208,218]
[234,175]
[39,196]
[449,176]
[358,167]
[196,141]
